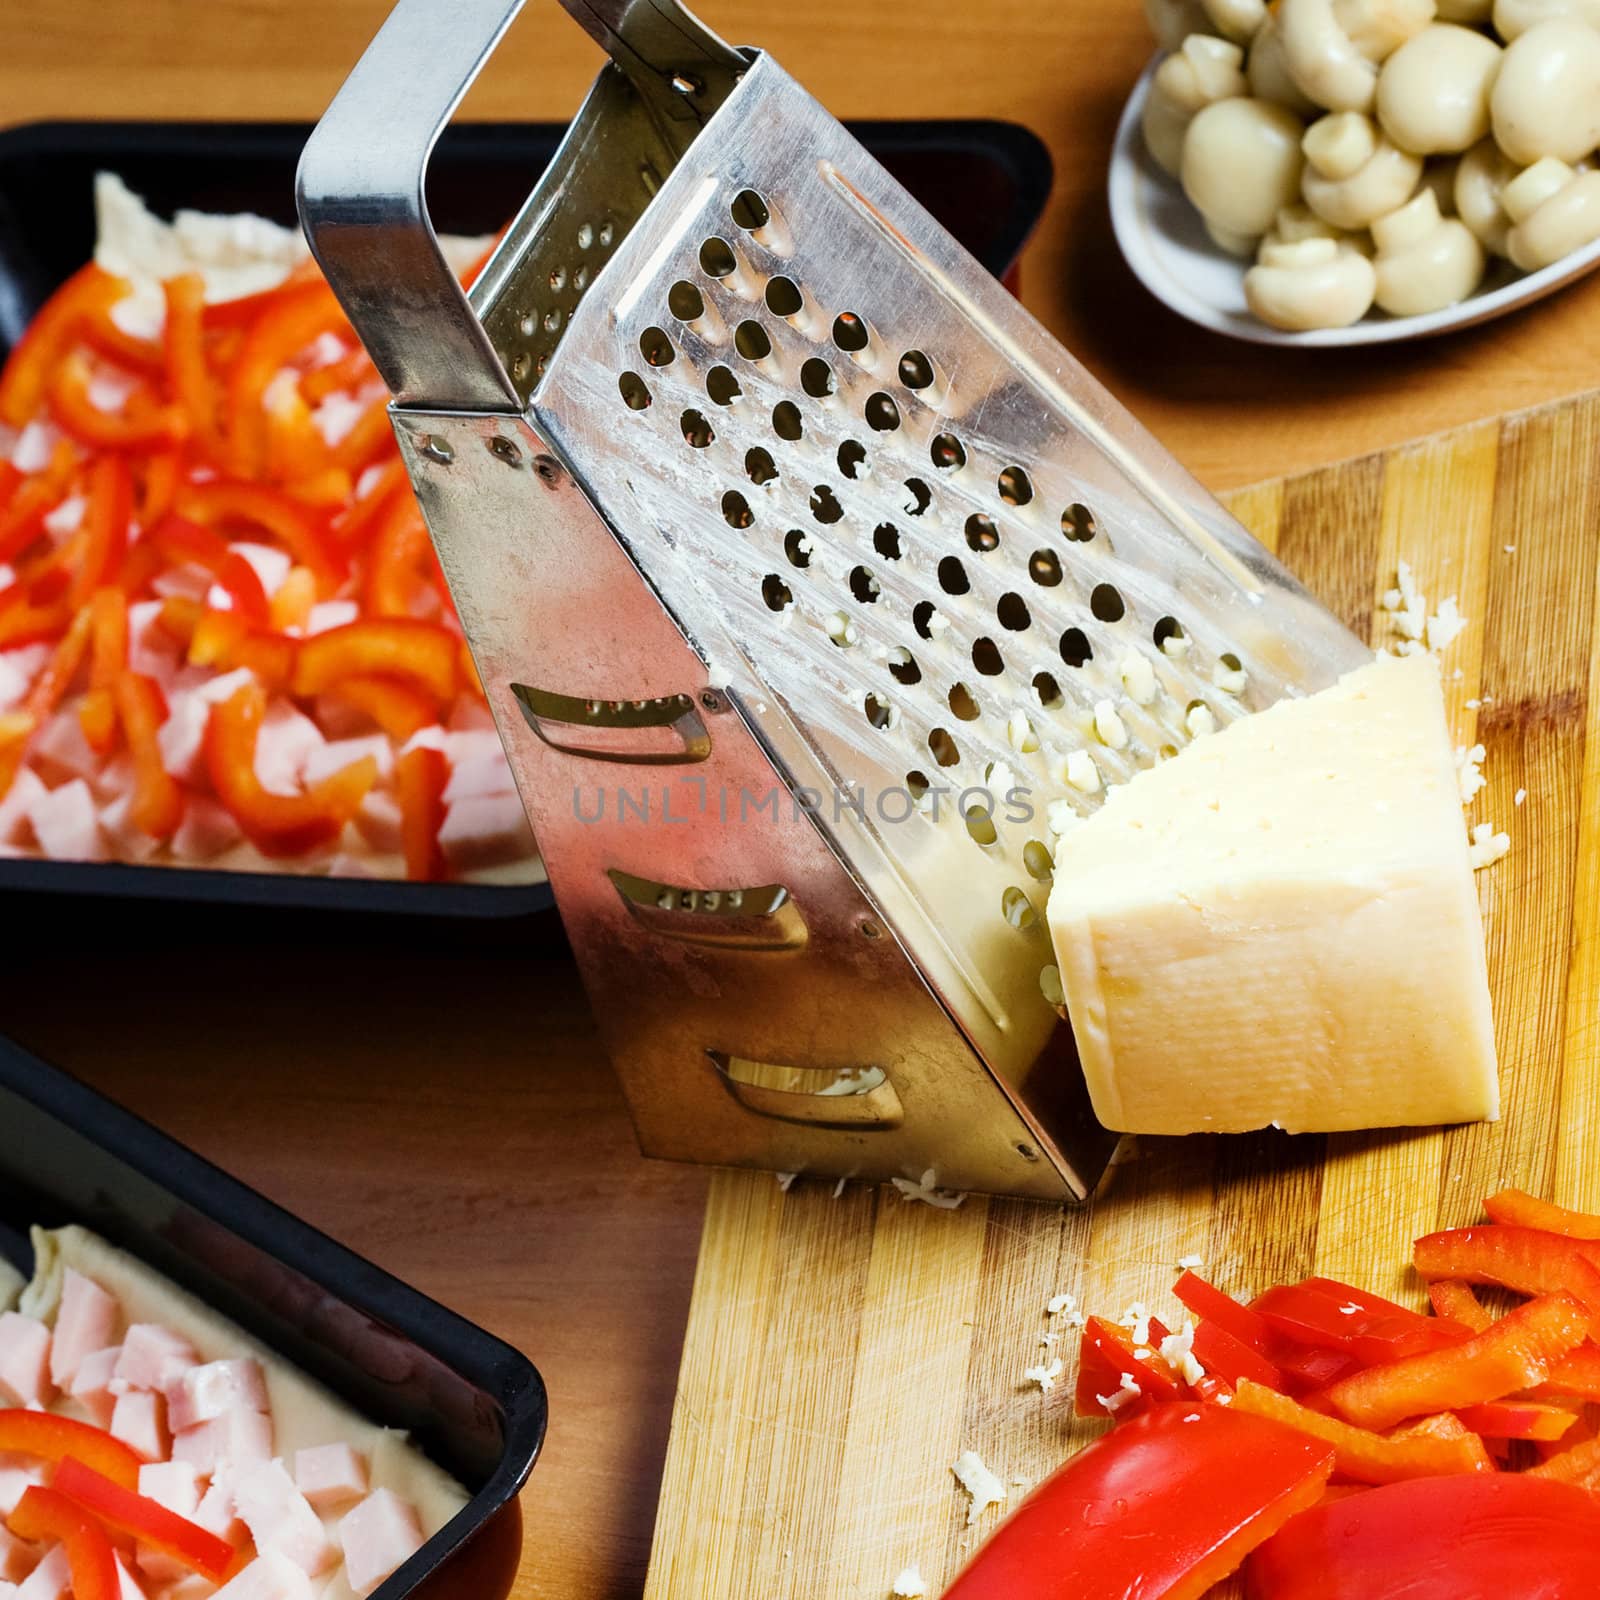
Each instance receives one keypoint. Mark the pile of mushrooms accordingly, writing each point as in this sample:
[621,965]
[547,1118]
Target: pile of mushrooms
[1379,152]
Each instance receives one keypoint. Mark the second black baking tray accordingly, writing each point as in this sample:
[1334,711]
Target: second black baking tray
[472,1403]
[987,182]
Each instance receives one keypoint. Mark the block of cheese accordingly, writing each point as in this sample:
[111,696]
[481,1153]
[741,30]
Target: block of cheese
[1279,925]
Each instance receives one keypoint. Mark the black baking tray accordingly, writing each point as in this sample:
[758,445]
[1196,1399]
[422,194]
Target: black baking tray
[986,181]
[471,1402]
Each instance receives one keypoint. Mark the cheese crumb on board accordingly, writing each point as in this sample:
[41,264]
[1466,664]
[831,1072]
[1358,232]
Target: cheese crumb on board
[1413,627]
[928,1191]
[980,1483]
[1044,1375]
[1057,1303]
[785,1180]
[1190,1263]
[1469,768]
[1292,899]
[1136,1319]
[1519,797]
[1487,846]
[909,1585]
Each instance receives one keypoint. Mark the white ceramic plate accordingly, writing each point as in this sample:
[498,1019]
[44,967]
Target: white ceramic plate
[1165,243]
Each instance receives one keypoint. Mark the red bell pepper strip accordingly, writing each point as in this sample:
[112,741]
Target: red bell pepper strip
[1456,1301]
[87,294]
[1307,1371]
[1311,1318]
[397,708]
[157,804]
[1165,1506]
[158,487]
[372,435]
[106,521]
[1366,1456]
[22,521]
[1107,1355]
[1520,1209]
[1498,1536]
[1219,1352]
[421,775]
[328,488]
[188,371]
[123,1511]
[43,1514]
[181,540]
[108,656]
[24,620]
[277,825]
[1580,1465]
[1524,1259]
[137,427]
[1208,1302]
[1576,1374]
[1516,1352]
[352,372]
[103,334]
[1517,1419]
[61,671]
[11,479]
[226,640]
[395,557]
[51,1438]
[299,530]
[420,653]
[352,526]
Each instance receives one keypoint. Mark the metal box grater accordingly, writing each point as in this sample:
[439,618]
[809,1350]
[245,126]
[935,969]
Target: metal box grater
[815,588]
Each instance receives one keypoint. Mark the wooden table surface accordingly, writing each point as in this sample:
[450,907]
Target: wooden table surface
[443,1109]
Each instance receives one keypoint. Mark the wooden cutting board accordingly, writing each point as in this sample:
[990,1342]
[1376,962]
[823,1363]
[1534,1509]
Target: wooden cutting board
[841,1353]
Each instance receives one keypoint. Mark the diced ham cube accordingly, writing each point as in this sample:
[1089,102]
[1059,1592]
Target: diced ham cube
[206,831]
[129,1587]
[269,1577]
[433,737]
[65,821]
[91,1385]
[216,1515]
[129,841]
[349,865]
[324,760]
[65,518]
[378,820]
[61,751]
[186,582]
[478,776]
[85,1322]
[17,1557]
[473,744]
[181,737]
[484,831]
[173,1484]
[380,1534]
[331,614]
[224,686]
[24,1359]
[330,1475]
[34,447]
[18,669]
[238,1437]
[152,651]
[51,1579]
[8,1591]
[286,739]
[280,1518]
[139,1420]
[17,1475]
[470,715]
[154,1357]
[204,1393]
[271,564]
[17,803]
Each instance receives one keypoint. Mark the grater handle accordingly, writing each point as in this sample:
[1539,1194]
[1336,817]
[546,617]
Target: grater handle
[360,190]
[674,59]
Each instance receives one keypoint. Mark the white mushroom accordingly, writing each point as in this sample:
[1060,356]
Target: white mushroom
[1334,47]
[1481,177]
[1554,211]
[1312,283]
[1172,21]
[1268,70]
[1513,18]
[1241,165]
[1546,100]
[1239,20]
[1465,10]
[1204,70]
[1433,92]
[1425,262]
[1354,171]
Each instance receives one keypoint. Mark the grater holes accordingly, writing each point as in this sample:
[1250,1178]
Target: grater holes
[923,616]
[1048,691]
[916,370]
[1078,524]
[749,211]
[1037,861]
[987,659]
[962,702]
[786,421]
[736,510]
[1074,647]
[1012,612]
[1044,567]
[656,347]
[886,541]
[776,592]
[1107,604]
[850,333]
[880,714]
[864,586]
[696,430]
[851,455]
[634,393]
[717,259]
[783,297]
[721,386]
[1170,639]
[921,497]
[948,452]
[917,785]
[585,235]
[980,824]
[982,534]
[883,415]
[685,301]
[1015,486]
[759,466]
[752,341]
[953,577]
[825,505]
[816,378]
[943,748]
[1017,909]
[903,666]
[797,547]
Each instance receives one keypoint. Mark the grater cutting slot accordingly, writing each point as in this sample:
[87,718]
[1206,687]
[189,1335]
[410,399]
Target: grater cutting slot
[824,1097]
[762,918]
[667,731]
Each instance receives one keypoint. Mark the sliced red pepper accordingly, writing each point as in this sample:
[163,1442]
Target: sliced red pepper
[1517,1419]
[1575,1374]
[137,427]
[328,488]
[108,655]
[353,525]
[51,1438]
[157,804]
[294,601]
[1366,1456]
[163,472]
[299,530]
[188,370]
[1165,1506]
[227,639]
[1311,1318]
[295,450]
[1517,1352]
[1218,1351]
[421,775]
[420,653]
[22,522]
[371,436]
[1580,1466]
[123,1511]
[87,294]
[181,540]
[11,479]
[1107,1355]
[1456,1301]
[24,620]
[43,1514]
[397,708]
[1492,1536]
[103,334]
[1517,1208]
[1307,1370]
[277,825]
[106,521]
[1207,1301]
[352,371]
[395,559]
[1524,1259]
